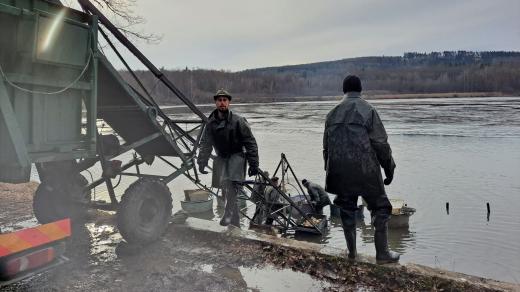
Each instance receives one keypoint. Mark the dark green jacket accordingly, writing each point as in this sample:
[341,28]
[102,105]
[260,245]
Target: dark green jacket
[228,136]
[355,147]
[318,194]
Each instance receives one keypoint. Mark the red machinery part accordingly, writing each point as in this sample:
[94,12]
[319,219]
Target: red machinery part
[32,249]
[28,262]
[23,240]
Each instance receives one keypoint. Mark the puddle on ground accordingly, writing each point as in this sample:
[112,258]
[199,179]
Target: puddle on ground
[206,268]
[268,278]
[272,279]
[104,241]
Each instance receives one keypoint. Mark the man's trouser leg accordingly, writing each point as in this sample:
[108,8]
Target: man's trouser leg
[348,207]
[224,221]
[231,215]
[381,209]
[221,200]
[258,217]
[319,210]
[235,212]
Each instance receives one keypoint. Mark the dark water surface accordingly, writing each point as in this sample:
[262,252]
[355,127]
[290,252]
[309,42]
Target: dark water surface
[464,151]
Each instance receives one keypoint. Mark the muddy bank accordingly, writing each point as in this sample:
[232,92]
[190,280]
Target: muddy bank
[330,264]
[189,259]
[180,261]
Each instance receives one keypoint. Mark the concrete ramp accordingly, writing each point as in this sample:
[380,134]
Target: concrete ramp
[129,114]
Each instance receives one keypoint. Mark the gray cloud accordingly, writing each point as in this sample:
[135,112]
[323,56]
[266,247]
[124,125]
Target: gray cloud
[241,34]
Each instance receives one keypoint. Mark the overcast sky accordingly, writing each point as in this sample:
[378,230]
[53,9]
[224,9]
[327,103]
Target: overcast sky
[241,34]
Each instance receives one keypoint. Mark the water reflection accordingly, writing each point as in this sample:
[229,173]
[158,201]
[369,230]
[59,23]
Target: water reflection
[399,239]
[310,237]
[266,278]
[232,273]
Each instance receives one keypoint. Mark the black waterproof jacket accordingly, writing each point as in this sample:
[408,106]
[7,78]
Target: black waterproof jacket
[355,146]
[228,136]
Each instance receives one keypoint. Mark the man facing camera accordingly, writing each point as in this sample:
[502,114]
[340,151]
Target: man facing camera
[231,137]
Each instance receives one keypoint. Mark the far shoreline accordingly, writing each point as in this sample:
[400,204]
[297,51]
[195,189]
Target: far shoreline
[368,96]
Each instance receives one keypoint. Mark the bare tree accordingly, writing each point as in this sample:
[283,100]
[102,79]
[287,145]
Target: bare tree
[124,17]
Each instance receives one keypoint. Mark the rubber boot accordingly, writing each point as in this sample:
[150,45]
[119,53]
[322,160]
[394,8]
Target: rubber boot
[383,255]
[225,221]
[348,220]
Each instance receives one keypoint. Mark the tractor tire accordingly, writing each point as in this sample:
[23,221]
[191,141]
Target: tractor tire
[52,204]
[144,211]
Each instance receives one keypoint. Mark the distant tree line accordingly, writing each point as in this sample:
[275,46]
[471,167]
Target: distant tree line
[436,72]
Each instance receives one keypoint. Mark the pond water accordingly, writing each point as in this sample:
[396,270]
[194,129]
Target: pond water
[465,151]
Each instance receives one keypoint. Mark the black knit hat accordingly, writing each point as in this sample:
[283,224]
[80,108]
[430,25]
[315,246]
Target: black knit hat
[351,83]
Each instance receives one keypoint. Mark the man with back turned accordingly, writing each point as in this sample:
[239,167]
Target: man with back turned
[355,148]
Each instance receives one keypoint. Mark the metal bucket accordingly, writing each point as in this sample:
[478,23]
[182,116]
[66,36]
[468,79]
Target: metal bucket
[197,206]
[399,221]
[197,201]
[196,195]
[400,214]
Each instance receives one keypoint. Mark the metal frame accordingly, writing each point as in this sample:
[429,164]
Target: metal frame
[20,142]
[284,222]
[184,142]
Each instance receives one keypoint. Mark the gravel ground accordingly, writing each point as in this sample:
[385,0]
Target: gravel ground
[16,202]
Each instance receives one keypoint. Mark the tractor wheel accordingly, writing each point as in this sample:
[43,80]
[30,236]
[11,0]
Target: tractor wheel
[144,211]
[52,203]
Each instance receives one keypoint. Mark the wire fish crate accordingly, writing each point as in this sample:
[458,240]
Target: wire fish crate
[303,204]
[320,221]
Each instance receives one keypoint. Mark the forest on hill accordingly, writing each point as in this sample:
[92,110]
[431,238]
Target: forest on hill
[435,72]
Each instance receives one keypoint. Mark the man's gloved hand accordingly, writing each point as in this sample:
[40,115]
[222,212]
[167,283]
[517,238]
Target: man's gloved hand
[201,169]
[389,173]
[253,170]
